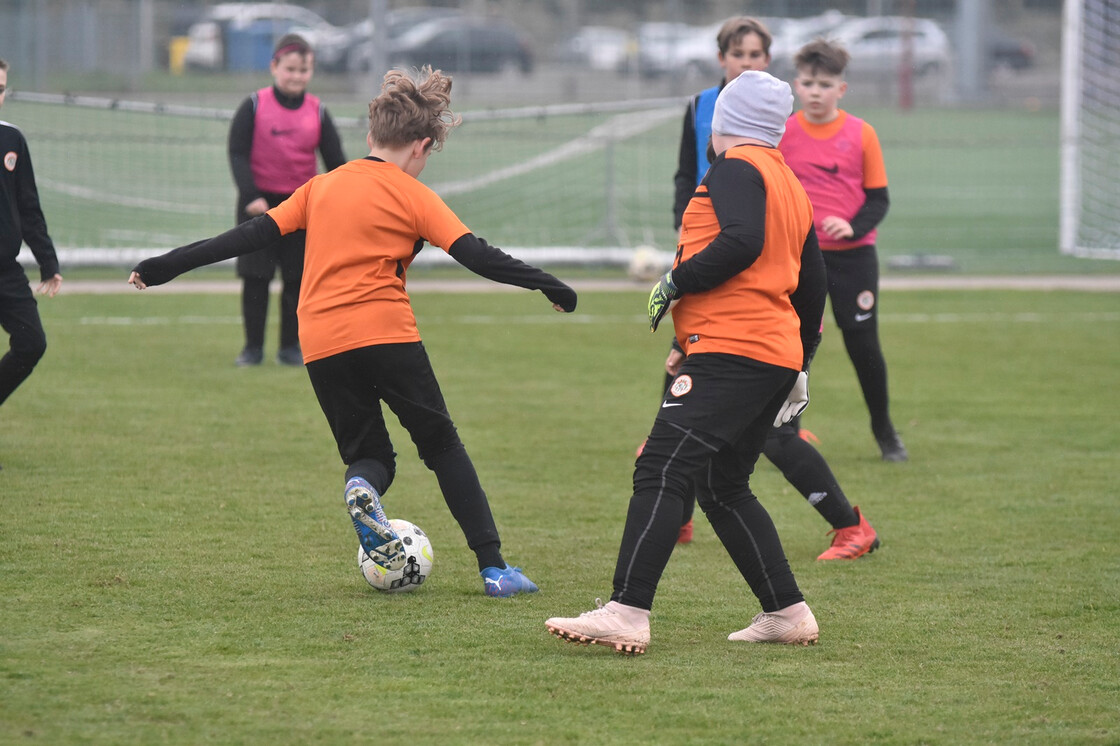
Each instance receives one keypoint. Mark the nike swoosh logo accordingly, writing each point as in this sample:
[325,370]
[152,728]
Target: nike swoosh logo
[277,133]
[862,316]
[667,404]
[833,169]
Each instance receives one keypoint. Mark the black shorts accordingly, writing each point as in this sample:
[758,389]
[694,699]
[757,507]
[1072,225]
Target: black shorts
[352,385]
[727,402]
[853,287]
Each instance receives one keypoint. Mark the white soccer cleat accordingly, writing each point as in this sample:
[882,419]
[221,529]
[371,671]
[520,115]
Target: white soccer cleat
[605,625]
[793,625]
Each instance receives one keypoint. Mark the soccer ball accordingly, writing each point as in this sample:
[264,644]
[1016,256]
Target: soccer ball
[646,264]
[416,569]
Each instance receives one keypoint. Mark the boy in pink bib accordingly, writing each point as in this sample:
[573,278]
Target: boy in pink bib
[837,158]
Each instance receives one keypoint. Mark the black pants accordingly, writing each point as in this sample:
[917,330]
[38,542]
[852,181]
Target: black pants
[714,432]
[853,290]
[351,387]
[19,317]
[257,270]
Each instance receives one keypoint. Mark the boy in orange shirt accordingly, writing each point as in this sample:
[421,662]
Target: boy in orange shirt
[365,222]
[838,160]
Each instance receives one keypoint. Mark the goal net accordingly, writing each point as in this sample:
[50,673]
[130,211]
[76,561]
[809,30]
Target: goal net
[563,184]
[1090,129]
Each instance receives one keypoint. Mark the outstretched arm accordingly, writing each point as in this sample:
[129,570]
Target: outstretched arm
[494,264]
[245,238]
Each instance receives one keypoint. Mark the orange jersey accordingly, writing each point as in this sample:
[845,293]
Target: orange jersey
[835,162]
[750,314]
[365,221]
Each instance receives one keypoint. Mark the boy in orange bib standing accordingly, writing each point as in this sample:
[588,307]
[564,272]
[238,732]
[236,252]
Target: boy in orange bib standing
[837,158]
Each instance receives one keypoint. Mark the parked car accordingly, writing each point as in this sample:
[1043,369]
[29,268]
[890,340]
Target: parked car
[1005,50]
[678,49]
[241,36]
[463,44]
[790,34]
[597,48]
[876,44]
[359,54]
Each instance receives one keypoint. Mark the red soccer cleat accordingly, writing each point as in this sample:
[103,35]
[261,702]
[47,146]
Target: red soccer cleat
[853,541]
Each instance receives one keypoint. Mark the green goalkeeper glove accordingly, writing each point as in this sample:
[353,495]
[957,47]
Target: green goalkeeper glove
[660,298]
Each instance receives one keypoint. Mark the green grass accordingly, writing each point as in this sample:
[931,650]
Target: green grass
[176,566]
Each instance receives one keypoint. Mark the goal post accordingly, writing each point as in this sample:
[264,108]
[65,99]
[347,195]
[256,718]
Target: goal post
[1089,217]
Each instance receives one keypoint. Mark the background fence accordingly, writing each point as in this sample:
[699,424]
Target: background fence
[562,160]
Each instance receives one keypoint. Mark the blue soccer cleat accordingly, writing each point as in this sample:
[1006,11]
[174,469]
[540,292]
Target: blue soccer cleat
[505,582]
[375,533]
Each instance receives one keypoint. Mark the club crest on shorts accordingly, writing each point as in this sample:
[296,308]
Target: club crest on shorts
[865,300]
[681,386]
[10,160]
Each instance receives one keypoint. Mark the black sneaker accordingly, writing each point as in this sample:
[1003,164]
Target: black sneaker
[892,447]
[249,356]
[290,355]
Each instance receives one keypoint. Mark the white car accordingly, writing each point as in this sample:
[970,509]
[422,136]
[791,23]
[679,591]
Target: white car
[254,28]
[678,49]
[876,44]
[598,48]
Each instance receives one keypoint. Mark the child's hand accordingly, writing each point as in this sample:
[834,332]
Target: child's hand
[837,228]
[50,286]
[259,206]
[134,279]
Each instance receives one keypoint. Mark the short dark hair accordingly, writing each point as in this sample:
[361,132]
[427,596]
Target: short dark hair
[822,55]
[734,29]
[3,65]
[291,43]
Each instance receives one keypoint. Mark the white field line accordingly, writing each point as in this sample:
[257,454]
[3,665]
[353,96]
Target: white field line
[616,128]
[637,319]
[119,200]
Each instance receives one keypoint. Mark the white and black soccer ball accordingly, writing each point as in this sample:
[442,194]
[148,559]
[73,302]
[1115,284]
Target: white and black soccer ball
[416,569]
[647,264]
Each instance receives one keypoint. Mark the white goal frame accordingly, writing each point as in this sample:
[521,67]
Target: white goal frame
[1073,240]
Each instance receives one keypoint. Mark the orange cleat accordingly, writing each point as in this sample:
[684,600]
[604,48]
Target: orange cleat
[685,535]
[852,542]
[808,437]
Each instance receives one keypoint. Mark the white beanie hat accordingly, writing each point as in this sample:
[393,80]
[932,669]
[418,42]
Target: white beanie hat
[755,104]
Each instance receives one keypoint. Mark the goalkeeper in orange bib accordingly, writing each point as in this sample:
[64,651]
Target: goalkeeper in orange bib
[744,44]
[749,287]
[365,221]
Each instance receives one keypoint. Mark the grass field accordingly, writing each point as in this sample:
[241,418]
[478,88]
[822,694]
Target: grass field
[176,565]
[978,186]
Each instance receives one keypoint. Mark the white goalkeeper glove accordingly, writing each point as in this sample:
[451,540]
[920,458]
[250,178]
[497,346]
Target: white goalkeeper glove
[796,402]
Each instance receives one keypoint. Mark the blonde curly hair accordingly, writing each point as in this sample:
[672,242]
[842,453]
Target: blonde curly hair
[412,106]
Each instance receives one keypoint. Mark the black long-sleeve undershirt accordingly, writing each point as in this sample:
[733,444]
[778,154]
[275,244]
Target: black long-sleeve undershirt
[872,212]
[469,250]
[494,264]
[244,238]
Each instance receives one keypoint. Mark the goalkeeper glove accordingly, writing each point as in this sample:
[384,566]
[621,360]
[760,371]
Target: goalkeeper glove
[660,298]
[796,402]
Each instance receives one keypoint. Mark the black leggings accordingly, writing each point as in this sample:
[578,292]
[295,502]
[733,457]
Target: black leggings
[351,387]
[19,317]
